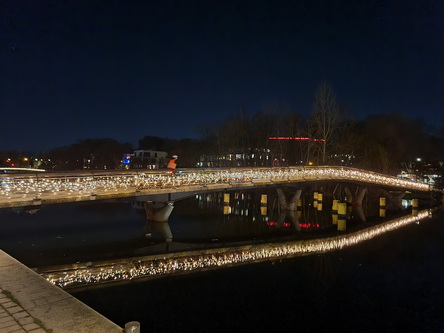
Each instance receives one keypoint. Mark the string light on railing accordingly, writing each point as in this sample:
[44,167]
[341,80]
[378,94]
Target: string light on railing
[148,181]
[220,258]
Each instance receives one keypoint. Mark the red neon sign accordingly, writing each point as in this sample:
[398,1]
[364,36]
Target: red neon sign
[308,225]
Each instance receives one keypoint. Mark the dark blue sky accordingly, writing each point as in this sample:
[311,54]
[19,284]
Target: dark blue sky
[71,70]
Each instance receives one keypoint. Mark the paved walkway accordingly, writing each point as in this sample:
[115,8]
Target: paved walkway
[29,303]
[15,319]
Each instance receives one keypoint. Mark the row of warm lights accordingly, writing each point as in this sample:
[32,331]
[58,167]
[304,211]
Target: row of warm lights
[90,185]
[54,186]
[287,175]
[215,258]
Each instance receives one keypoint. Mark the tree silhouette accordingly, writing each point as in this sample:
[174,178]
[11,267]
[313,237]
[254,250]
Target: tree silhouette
[323,118]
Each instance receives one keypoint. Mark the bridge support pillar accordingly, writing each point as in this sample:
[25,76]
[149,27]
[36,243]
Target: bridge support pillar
[295,201]
[157,215]
[334,211]
[226,198]
[342,216]
[415,205]
[320,198]
[293,204]
[227,208]
[299,205]
[394,200]
[315,199]
[355,202]
[264,201]
[382,206]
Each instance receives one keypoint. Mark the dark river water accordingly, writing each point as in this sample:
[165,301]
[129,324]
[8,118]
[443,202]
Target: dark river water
[391,283]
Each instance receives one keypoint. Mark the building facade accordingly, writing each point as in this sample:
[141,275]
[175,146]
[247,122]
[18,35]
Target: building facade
[145,159]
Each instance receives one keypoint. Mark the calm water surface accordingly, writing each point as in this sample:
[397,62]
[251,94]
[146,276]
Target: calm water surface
[392,283]
[88,231]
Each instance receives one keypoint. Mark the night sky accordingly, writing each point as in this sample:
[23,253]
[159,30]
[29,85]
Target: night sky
[73,70]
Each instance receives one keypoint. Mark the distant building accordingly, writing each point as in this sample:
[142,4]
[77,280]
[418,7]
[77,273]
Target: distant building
[239,158]
[424,171]
[145,159]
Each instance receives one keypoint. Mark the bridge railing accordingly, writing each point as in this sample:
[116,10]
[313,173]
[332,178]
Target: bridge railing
[91,182]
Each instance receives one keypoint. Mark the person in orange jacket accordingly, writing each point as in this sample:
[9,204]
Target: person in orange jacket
[172,163]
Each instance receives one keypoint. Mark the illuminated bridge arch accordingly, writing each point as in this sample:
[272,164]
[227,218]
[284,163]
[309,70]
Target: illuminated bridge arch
[50,188]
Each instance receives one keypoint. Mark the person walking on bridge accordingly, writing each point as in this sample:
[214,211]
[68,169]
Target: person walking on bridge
[172,163]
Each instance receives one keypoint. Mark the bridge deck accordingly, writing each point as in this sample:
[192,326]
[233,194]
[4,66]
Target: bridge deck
[51,188]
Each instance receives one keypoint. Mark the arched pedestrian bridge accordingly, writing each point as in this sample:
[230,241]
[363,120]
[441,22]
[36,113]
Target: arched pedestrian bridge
[36,188]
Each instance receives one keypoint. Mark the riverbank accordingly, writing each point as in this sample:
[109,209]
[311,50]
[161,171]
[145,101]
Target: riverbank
[29,303]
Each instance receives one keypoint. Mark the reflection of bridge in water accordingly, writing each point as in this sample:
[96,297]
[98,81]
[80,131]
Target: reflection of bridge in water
[156,192]
[79,276]
[34,189]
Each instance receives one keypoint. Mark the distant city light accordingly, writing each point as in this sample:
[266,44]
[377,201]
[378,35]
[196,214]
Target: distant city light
[293,138]
[127,159]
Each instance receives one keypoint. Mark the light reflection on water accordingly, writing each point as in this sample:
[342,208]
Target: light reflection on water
[364,282]
[390,283]
[66,234]
[217,258]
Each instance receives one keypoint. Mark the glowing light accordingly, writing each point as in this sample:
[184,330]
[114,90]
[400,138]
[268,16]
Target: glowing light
[309,225]
[128,184]
[155,266]
[293,138]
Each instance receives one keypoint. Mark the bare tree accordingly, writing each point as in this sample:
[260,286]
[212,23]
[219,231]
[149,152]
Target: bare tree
[391,139]
[348,141]
[323,118]
[233,135]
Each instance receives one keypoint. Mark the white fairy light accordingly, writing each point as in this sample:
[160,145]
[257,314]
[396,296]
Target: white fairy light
[123,184]
[213,258]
